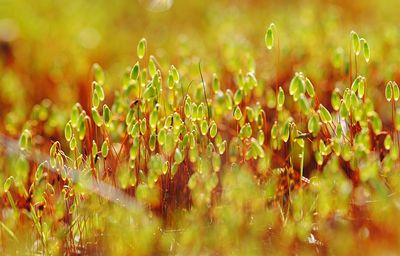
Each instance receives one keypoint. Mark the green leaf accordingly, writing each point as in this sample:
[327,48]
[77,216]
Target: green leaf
[170,143]
[347,98]
[313,125]
[98,73]
[96,117]
[396,92]
[204,127]
[285,131]
[310,88]
[94,149]
[281,97]
[153,118]
[388,142]
[216,84]
[150,92]
[104,149]
[25,140]
[300,142]
[388,91]
[251,80]
[326,117]
[133,152]
[99,91]
[135,129]
[222,147]
[245,131]
[339,131]
[75,114]
[338,57]
[135,71]
[319,158]
[8,183]
[177,121]
[141,48]
[323,148]
[95,99]
[129,116]
[53,149]
[237,98]
[250,114]
[366,50]
[68,131]
[269,38]
[168,121]
[274,130]
[39,171]
[344,112]
[170,81]
[228,99]
[335,99]
[192,140]
[213,129]
[355,84]
[107,115]
[355,42]
[336,146]
[188,108]
[257,148]
[152,66]
[72,143]
[304,104]
[175,74]
[261,136]
[143,126]
[237,114]
[185,140]
[162,136]
[157,82]
[361,88]
[354,100]
[376,123]
[152,142]
[178,156]
[82,125]
[295,84]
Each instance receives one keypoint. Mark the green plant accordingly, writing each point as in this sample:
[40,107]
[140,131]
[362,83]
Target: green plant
[192,159]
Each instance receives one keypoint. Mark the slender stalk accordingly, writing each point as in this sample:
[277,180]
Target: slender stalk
[355,65]
[91,144]
[350,66]
[122,146]
[393,120]
[138,118]
[12,203]
[237,135]
[302,166]
[277,72]
[205,94]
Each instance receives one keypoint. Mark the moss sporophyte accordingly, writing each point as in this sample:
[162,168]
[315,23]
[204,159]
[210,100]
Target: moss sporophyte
[227,152]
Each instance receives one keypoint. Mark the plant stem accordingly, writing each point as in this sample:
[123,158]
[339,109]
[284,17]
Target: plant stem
[10,198]
[393,122]
[350,67]
[277,73]
[302,166]
[205,94]
[355,65]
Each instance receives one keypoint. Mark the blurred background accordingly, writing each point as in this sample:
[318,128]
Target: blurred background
[47,47]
